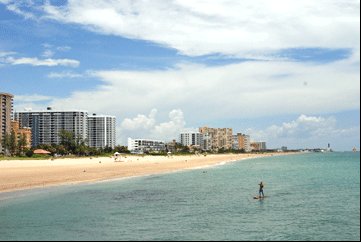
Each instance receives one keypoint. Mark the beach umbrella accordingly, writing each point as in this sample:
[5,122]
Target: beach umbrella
[41,152]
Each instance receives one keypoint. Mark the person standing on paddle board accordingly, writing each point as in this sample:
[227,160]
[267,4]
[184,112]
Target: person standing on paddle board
[261,189]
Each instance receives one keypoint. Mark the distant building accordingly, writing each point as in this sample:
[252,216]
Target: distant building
[171,146]
[258,146]
[141,146]
[207,141]
[21,132]
[235,145]
[6,109]
[216,138]
[101,131]
[194,139]
[46,125]
[244,142]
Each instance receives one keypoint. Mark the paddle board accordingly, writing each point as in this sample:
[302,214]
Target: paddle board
[258,197]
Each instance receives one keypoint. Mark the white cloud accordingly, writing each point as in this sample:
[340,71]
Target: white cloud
[16,7]
[306,132]
[140,122]
[32,98]
[6,53]
[65,74]
[244,90]
[41,62]
[34,102]
[48,53]
[143,126]
[50,49]
[63,48]
[171,129]
[231,27]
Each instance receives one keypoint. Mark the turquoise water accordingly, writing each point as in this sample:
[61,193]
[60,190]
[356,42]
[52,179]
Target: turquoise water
[310,197]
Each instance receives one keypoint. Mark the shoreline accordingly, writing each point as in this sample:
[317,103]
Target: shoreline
[20,175]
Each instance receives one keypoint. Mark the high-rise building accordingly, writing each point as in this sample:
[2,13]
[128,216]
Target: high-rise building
[244,142]
[47,125]
[140,146]
[191,139]
[6,108]
[216,138]
[101,131]
[235,145]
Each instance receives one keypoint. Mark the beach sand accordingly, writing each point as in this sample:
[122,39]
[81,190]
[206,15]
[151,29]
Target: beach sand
[26,174]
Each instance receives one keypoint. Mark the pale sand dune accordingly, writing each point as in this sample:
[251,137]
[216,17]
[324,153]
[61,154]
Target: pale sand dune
[25,174]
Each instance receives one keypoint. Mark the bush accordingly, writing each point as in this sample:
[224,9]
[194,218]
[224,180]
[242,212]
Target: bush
[29,153]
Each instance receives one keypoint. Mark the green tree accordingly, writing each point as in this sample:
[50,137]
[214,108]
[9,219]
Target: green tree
[67,139]
[121,149]
[6,143]
[22,143]
[12,143]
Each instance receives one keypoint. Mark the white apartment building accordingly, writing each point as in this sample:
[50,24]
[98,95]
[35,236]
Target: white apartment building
[101,131]
[191,139]
[235,145]
[140,146]
[46,125]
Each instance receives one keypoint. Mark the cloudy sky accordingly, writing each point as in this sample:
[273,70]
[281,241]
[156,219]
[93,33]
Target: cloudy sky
[285,72]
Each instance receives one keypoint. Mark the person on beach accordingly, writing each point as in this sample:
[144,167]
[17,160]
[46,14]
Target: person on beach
[261,189]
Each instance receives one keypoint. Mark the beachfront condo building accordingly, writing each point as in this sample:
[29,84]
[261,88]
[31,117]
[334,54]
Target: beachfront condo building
[101,131]
[21,133]
[6,108]
[258,146]
[235,142]
[46,125]
[244,142]
[194,139]
[216,138]
[141,146]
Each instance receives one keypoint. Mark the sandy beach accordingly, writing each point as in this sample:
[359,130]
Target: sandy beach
[26,174]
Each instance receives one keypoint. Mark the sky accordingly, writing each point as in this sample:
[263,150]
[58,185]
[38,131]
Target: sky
[285,72]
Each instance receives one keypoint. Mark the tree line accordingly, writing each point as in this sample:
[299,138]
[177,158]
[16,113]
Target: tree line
[69,145]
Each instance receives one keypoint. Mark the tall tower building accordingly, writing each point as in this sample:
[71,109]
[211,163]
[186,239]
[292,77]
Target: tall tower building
[46,125]
[101,131]
[216,138]
[244,142]
[6,108]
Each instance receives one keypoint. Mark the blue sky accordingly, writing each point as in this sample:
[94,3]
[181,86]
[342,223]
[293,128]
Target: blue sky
[284,73]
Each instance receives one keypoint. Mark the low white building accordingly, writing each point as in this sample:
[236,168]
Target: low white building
[141,146]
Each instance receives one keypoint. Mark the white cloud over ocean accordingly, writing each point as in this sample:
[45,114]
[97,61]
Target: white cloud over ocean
[307,132]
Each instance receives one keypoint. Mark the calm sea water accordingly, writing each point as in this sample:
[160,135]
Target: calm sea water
[310,197]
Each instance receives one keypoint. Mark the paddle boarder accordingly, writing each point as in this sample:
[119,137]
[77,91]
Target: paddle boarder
[261,189]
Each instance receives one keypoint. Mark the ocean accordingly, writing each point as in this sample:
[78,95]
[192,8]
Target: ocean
[313,196]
